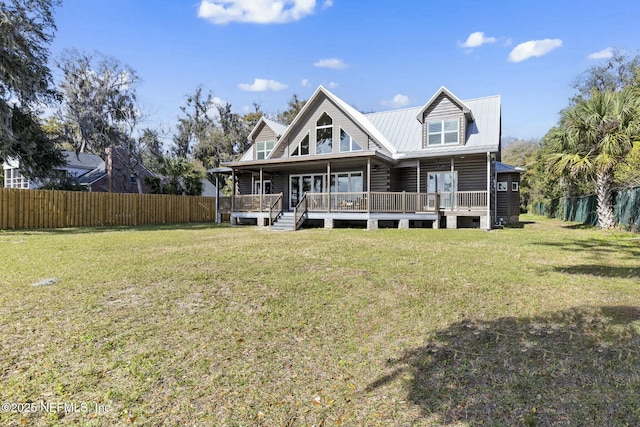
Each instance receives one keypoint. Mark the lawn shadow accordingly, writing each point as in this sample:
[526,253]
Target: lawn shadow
[600,270]
[112,228]
[574,367]
[596,246]
[519,224]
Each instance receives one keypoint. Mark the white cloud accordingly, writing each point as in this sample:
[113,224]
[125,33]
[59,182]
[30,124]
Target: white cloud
[533,48]
[335,63]
[398,101]
[477,39]
[262,85]
[333,85]
[256,11]
[602,54]
[305,83]
[327,4]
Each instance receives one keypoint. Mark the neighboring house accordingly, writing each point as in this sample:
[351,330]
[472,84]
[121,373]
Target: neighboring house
[435,165]
[88,170]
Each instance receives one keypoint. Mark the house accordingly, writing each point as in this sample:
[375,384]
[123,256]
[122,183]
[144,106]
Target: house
[435,165]
[87,170]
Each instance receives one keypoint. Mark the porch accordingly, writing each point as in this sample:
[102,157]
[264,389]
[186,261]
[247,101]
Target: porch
[359,206]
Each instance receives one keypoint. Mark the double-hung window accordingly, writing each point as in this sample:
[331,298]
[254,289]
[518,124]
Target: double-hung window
[263,149]
[441,132]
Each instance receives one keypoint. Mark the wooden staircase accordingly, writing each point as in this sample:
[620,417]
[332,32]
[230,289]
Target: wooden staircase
[286,222]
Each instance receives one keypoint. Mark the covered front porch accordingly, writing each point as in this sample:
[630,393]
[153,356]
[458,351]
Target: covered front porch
[371,206]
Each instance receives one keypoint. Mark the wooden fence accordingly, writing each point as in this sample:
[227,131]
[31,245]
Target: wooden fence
[59,209]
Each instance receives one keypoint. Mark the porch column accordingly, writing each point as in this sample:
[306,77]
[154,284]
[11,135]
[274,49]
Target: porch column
[328,186]
[454,197]
[232,219]
[368,184]
[218,215]
[261,188]
[418,177]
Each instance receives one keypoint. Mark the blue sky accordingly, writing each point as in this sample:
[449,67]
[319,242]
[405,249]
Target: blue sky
[374,54]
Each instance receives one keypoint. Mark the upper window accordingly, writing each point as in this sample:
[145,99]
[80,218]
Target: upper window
[442,132]
[263,149]
[303,148]
[347,143]
[324,134]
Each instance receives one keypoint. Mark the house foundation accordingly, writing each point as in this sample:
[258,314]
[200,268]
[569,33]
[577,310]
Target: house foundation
[372,224]
[403,223]
[452,221]
[328,223]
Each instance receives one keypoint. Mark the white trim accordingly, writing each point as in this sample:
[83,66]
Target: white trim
[502,185]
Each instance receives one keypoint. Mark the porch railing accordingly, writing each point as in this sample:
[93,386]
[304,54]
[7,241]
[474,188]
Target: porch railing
[275,210]
[300,211]
[252,202]
[392,202]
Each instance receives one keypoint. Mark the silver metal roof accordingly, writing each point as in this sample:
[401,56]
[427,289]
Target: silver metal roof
[404,131]
[278,128]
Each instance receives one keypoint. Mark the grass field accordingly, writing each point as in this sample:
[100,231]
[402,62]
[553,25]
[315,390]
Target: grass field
[205,325]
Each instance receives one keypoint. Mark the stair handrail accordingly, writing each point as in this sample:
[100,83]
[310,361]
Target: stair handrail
[299,212]
[276,207]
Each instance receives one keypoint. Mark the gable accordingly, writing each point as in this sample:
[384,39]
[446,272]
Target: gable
[307,125]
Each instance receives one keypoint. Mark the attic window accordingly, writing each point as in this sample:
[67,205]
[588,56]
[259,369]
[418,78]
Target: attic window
[263,149]
[303,148]
[441,132]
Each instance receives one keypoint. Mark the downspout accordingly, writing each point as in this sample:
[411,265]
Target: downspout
[488,190]
[495,192]
[368,184]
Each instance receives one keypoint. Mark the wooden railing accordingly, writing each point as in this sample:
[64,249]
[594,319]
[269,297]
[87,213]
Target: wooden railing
[471,199]
[275,210]
[300,212]
[400,202]
[252,202]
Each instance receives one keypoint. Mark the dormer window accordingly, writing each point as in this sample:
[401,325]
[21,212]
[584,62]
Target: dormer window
[324,134]
[263,149]
[441,132]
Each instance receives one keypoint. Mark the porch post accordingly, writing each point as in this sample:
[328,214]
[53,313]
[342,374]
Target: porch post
[233,189]
[218,216]
[261,188]
[454,197]
[368,184]
[328,186]
[232,219]
[418,177]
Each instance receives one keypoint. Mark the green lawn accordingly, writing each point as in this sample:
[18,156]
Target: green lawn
[204,325]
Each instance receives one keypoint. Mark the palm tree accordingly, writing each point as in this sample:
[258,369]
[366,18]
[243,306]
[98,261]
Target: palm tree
[594,136]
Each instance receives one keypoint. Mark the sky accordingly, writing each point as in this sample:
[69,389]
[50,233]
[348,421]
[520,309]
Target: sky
[376,54]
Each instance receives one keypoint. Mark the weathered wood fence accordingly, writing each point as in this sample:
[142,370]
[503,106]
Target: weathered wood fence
[59,209]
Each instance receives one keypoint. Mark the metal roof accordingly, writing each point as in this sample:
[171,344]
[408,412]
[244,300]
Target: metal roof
[505,168]
[278,128]
[404,131]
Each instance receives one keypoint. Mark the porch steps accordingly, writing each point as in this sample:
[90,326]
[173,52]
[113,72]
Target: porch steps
[284,223]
